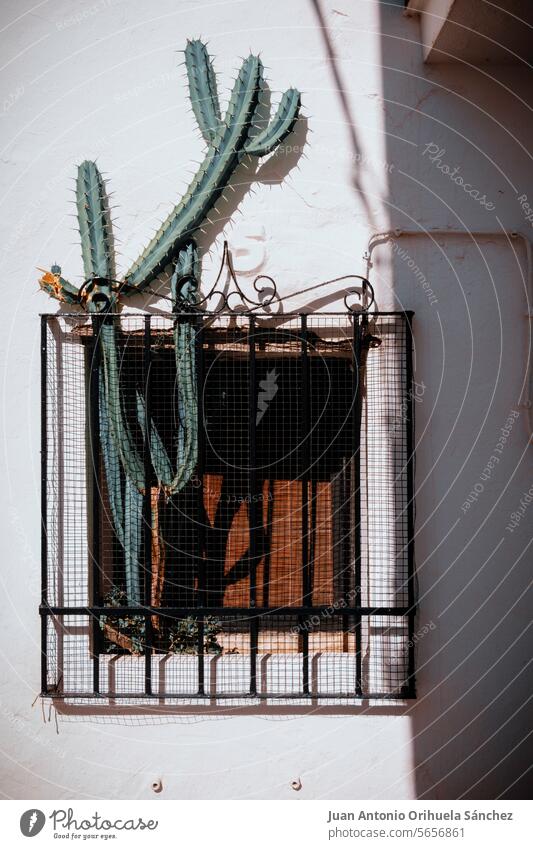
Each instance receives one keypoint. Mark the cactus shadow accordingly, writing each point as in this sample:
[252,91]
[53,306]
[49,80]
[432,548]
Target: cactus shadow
[341,88]
[273,172]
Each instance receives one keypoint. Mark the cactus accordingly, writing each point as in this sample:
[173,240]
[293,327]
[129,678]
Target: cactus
[229,139]
[118,449]
[126,512]
[117,454]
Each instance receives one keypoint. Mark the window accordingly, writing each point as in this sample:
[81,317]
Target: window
[281,565]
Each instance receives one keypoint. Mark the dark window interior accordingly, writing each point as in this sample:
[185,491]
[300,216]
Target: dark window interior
[301,475]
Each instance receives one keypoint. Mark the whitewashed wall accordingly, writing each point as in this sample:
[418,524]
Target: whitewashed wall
[102,79]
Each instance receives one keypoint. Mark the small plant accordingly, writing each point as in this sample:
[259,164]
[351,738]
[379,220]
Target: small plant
[122,632]
[127,633]
[183,636]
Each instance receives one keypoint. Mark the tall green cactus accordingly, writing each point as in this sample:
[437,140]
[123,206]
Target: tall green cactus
[229,139]
[183,288]
[126,510]
[117,446]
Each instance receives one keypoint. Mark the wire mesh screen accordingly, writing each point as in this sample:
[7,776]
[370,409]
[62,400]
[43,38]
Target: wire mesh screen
[227,507]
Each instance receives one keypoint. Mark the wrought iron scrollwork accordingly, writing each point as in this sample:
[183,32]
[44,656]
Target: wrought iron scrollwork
[362,306]
[106,293]
[236,300]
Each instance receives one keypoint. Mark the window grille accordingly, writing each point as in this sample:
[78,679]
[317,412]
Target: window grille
[283,568]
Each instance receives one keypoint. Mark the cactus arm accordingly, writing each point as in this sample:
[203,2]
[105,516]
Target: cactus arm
[203,89]
[93,222]
[280,126]
[111,466]
[160,460]
[185,273]
[133,505]
[120,431]
[118,447]
[183,283]
[126,512]
[210,180]
[187,450]
[184,344]
[96,238]
[183,288]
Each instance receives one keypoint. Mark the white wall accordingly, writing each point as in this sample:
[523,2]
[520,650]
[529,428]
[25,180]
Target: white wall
[102,80]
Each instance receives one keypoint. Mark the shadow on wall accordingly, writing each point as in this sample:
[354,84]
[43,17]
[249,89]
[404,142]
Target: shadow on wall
[342,87]
[470,721]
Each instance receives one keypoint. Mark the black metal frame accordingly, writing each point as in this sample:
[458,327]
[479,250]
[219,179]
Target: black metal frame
[352,616]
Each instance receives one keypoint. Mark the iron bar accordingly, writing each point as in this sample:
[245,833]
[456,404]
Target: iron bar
[147,502]
[44,503]
[356,496]
[201,595]
[304,475]
[201,685]
[252,463]
[254,639]
[181,612]
[252,498]
[267,553]
[409,435]
[208,314]
[94,438]
[245,696]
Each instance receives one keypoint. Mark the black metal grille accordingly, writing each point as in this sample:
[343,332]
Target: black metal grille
[283,569]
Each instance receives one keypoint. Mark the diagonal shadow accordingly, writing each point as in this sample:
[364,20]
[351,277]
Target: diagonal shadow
[341,89]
